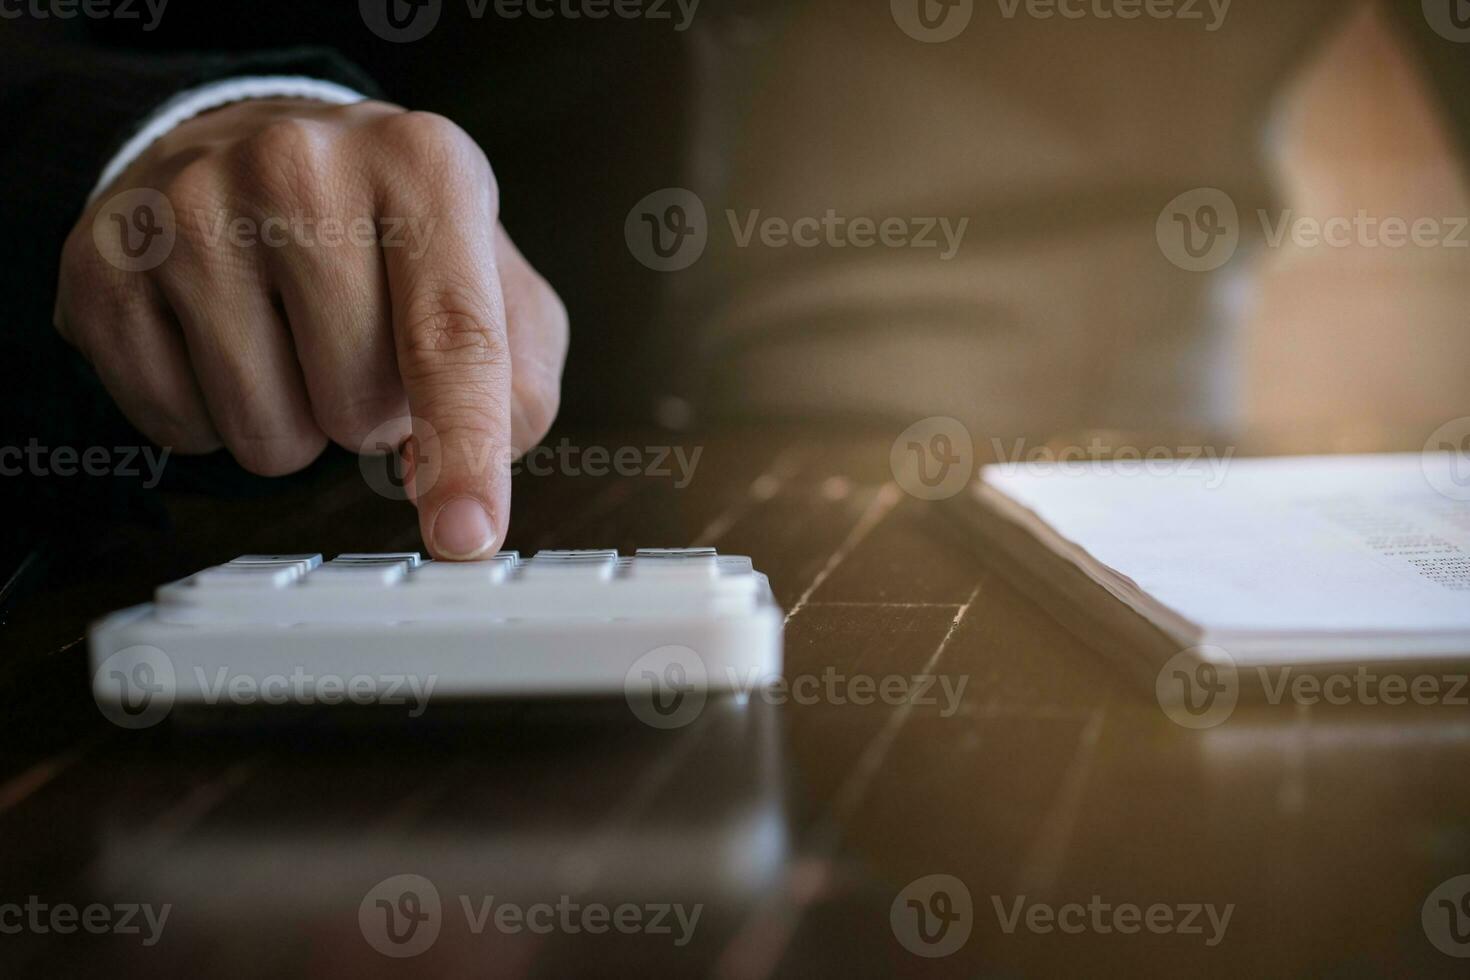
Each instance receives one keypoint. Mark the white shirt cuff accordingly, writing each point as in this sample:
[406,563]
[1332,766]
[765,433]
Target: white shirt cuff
[195,101]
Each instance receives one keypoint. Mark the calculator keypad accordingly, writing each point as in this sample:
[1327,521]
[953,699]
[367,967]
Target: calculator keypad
[401,587]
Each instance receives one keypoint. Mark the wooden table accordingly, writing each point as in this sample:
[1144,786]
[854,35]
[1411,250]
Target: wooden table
[793,827]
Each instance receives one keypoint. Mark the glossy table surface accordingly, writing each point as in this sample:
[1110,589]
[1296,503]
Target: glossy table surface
[937,722]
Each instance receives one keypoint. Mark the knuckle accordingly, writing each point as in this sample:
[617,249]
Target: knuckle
[431,146]
[554,315]
[536,406]
[285,158]
[447,337]
[198,186]
[274,454]
[349,421]
[101,311]
[180,435]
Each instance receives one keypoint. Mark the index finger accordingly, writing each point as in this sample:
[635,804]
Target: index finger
[449,334]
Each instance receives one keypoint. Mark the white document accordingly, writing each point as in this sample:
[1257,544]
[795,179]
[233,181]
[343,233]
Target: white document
[1299,559]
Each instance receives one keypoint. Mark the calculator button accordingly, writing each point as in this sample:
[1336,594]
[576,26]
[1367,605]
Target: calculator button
[594,565]
[462,572]
[692,563]
[412,557]
[590,555]
[250,576]
[307,561]
[357,574]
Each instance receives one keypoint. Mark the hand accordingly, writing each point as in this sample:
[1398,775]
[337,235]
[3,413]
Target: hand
[336,271]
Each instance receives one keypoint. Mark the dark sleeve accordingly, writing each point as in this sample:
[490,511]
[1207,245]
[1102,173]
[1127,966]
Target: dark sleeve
[1438,35]
[65,110]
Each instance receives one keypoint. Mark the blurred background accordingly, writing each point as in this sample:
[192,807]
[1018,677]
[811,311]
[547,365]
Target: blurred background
[1059,141]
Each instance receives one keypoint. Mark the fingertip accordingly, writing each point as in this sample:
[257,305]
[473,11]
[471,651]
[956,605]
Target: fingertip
[462,529]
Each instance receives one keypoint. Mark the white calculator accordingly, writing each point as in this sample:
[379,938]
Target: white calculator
[372,628]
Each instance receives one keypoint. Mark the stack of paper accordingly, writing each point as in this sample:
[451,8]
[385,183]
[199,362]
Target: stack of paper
[1307,560]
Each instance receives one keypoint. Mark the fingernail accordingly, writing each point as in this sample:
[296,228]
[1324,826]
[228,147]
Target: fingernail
[463,530]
